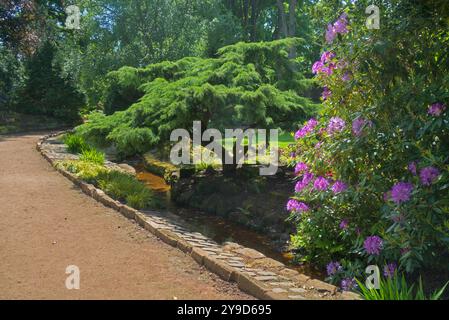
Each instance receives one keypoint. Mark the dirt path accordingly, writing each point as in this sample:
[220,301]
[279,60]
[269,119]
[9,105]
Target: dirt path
[46,224]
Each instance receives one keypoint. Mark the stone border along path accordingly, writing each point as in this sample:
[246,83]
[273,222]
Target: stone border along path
[256,274]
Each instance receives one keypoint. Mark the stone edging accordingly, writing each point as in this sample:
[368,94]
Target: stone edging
[255,274]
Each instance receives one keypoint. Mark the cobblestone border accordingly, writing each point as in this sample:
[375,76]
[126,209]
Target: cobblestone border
[254,273]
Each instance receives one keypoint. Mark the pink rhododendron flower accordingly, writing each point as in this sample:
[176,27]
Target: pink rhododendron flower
[327,56]
[321,184]
[346,76]
[401,192]
[308,128]
[336,124]
[436,109]
[317,67]
[344,224]
[339,186]
[329,69]
[412,168]
[428,175]
[373,245]
[301,168]
[340,26]
[296,206]
[358,125]
[330,33]
[326,93]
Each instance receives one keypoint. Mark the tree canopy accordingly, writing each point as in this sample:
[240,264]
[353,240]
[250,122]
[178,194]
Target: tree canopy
[252,85]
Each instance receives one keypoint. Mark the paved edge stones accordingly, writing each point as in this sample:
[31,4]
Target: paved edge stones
[254,273]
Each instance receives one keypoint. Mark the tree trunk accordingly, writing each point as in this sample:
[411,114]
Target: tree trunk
[254,16]
[292,26]
[282,19]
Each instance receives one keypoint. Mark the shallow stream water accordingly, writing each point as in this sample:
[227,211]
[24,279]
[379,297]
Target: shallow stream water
[217,228]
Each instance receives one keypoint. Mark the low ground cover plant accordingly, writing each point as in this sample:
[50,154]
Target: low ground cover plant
[119,185]
[395,287]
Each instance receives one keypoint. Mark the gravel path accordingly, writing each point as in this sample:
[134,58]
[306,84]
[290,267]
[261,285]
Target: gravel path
[47,224]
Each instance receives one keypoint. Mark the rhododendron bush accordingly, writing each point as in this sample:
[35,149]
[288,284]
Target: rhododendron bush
[372,170]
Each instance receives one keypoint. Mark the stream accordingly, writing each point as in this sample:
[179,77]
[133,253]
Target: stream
[219,229]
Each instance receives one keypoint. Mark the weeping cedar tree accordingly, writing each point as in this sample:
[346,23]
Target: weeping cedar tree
[249,85]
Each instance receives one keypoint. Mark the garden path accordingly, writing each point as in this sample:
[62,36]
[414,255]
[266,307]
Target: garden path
[47,224]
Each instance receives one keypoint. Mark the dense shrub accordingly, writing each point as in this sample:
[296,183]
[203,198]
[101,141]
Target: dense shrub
[372,171]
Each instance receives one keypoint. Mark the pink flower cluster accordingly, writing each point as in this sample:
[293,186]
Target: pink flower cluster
[308,128]
[296,206]
[401,191]
[327,93]
[336,124]
[373,245]
[436,109]
[325,64]
[358,125]
[339,27]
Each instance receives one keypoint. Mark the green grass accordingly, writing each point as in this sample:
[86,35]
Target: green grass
[284,140]
[92,155]
[124,187]
[75,144]
[118,185]
[396,288]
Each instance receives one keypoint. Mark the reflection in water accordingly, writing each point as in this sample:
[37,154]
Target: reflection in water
[217,228]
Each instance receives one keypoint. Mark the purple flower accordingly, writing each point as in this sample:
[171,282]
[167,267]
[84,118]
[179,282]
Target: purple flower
[296,206]
[300,186]
[329,69]
[346,76]
[336,125]
[321,184]
[339,186]
[332,268]
[412,168]
[326,93]
[401,192]
[344,224]
[318,145]
[308,127]
[301,168]
[436,109]
[428,175]
[327,56]
[317,67]
[340,26]
[330,33]
[373,245]
[348,284]
[306,179]
[390,270]
[357,126]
